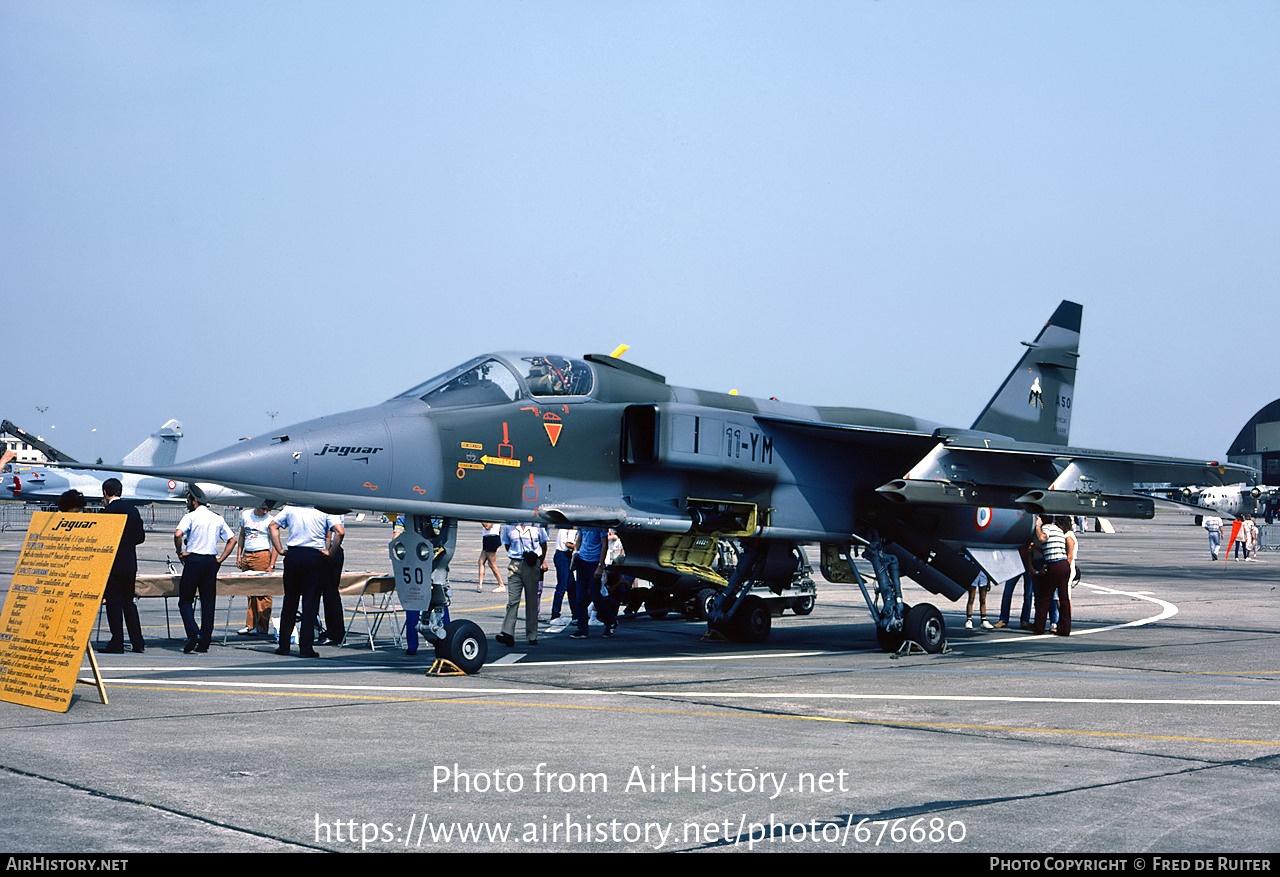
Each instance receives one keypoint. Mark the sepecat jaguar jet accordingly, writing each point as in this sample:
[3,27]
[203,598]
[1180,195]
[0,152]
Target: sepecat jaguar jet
[601,441]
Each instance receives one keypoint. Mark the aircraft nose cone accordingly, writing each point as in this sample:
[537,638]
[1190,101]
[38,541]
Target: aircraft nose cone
[342,461]
[261,462]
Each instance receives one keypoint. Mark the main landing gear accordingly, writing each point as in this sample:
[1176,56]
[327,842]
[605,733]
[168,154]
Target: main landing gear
[900,628]
[733,613]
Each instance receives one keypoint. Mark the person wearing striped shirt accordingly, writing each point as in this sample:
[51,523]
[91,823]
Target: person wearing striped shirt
[1058,545]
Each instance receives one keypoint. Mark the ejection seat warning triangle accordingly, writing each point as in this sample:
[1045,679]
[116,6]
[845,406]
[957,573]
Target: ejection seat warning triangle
[52,604]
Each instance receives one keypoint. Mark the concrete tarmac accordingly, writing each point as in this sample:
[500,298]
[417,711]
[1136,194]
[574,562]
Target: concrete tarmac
[1154,727]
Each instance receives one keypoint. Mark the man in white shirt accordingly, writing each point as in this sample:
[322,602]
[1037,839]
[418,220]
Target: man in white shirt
[306,568]
[196,539]
[256,554]
[1213,524]
[563,561]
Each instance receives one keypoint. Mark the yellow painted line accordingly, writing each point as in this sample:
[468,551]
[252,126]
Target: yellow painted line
[727,695]
[1216,672]
[732,714]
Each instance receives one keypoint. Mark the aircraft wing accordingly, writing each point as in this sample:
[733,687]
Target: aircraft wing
[1095,465]
[963,467]
[975,470]
[867,435]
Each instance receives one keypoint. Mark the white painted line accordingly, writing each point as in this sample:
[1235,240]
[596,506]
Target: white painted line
[509,658]
[513,659]
[1167,610]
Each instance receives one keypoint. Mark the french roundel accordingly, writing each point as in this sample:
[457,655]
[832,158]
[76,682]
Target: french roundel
[982,517]
[173,485]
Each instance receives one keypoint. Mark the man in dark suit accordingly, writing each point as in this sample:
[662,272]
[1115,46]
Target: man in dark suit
[119,595]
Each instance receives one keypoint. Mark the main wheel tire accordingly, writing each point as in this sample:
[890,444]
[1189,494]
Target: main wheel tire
[924,625]
[703,602]
[465,645]
[753,621]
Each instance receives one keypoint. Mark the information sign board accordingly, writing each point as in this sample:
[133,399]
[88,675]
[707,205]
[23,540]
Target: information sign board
[52,604]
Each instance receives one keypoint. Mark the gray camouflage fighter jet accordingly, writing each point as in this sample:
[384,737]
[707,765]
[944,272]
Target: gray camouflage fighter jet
[600,441]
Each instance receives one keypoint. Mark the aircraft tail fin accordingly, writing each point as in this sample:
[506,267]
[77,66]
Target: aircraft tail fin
[160,448]
[1034,402]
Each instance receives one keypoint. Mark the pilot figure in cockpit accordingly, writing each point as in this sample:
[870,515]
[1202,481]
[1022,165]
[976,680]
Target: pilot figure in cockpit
[553,376]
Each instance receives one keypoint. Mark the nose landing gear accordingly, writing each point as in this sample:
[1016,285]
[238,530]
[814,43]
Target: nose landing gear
[421,556]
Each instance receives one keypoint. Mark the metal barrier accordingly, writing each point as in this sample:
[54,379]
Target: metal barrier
[156,518]
[1269,537]
[16,515]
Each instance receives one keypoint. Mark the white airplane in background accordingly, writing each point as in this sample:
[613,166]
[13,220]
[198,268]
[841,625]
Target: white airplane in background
[37,482]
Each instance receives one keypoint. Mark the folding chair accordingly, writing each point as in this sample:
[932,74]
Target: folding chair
[375,601]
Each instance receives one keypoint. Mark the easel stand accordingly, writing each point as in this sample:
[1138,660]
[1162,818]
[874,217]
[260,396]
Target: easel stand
[96,681]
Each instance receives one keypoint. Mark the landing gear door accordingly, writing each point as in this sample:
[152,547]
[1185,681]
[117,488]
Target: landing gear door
[411,557]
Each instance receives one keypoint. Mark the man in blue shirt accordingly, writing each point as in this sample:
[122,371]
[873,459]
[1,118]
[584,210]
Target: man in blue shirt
[588,569]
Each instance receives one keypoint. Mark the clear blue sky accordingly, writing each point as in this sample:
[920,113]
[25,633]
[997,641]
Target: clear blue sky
[213,209]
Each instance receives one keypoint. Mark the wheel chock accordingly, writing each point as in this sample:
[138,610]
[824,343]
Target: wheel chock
[444,667]
[911,647]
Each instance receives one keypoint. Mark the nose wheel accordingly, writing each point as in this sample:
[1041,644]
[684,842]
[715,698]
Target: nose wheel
[464,645]
[420,555]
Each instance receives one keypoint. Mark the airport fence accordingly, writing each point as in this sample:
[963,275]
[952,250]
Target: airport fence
[155,518]
[15,515]
[1269,537]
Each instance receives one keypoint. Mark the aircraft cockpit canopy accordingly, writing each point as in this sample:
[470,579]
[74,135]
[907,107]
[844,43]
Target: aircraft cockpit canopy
[492,381]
